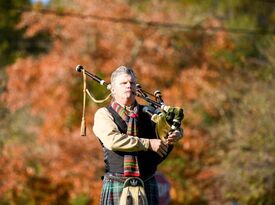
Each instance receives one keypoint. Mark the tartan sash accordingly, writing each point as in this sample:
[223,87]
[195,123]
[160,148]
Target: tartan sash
[131,168]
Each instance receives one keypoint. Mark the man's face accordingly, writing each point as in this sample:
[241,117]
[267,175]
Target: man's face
[124,89]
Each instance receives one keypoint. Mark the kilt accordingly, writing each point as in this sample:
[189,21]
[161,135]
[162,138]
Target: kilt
[113,185]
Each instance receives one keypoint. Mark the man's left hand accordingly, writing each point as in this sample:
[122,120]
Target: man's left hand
[174,136]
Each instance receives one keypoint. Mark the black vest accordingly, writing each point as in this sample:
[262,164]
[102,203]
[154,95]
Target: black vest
[147,160]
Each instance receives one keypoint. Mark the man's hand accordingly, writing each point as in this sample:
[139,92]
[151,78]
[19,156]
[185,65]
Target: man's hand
[158,146]
[173,137]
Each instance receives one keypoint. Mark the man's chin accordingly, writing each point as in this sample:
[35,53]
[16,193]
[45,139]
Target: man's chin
[129,94]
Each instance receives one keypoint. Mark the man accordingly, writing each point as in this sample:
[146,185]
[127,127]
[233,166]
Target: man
[128,138]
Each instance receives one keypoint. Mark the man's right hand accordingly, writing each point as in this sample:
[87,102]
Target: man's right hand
[158,146]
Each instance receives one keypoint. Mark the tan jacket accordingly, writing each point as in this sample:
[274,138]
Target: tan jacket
[108,133]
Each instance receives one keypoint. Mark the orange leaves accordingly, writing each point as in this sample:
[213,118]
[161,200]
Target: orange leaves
[17,96]
[12,171]
[181,64]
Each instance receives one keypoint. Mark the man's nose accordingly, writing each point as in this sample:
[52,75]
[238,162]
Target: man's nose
[128,84]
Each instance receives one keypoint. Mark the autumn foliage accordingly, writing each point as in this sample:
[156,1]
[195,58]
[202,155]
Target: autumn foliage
[51,163]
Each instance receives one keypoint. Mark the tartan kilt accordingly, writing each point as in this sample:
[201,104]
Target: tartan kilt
[112,190]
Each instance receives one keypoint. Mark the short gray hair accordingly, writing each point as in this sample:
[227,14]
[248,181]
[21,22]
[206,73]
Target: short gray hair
[122,70]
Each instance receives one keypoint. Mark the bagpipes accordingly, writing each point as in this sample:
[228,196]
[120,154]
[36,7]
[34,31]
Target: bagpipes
[167,118]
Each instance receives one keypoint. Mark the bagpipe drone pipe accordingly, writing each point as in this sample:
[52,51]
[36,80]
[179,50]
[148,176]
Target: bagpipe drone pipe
[166,118]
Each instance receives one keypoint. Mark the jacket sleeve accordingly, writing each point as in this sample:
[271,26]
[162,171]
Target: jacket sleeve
[107,131]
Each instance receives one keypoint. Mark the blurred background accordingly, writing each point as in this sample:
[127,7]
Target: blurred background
[215,59]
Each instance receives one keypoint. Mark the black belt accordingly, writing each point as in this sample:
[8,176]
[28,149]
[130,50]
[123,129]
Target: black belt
[120,178]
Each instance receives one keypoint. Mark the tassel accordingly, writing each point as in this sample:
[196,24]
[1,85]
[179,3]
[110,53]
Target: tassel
[83,122]
[86,91]
[129,199]
[83,127]
[140,198]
